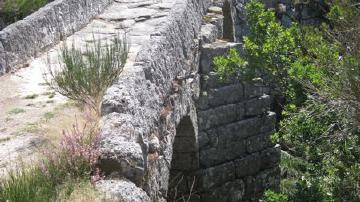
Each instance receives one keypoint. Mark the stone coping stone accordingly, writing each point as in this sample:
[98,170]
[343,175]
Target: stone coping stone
[44,28]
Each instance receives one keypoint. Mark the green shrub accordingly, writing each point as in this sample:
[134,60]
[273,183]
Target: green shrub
[85,75]
[271,196]
[317,70]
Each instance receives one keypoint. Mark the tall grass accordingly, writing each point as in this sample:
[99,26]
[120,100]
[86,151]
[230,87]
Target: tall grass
[29,184]
[85,75]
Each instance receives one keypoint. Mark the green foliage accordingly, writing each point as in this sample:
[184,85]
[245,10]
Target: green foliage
[15,10]
[271,196]
[284,57]
[322,158]
[86,75]
[230,64]
[270,48]
[317,70]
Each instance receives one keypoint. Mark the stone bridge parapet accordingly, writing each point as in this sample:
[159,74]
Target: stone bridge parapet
[43,29]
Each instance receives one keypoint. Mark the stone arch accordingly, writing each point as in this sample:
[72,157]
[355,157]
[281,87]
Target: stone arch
[184,163]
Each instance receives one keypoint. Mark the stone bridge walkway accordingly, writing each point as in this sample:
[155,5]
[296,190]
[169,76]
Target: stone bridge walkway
[31,115]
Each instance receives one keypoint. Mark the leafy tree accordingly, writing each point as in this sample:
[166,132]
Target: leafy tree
[317,70]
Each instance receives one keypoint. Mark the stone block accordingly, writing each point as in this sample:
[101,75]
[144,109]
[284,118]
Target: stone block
[217,116]
[203,139]
[253,90]
[231,149]
[267,179]
[210,157]
[213,138]
[225,150]
[264,180]
[217,175]
[248,165]
[226,95]
[250,182]
[232,191]
[215,9]
[209,33]
[122,159]
[271,157]
[268,122]
[217,20]
[258,106]
[120,190]
[259,142]
[242,129]
[203,102]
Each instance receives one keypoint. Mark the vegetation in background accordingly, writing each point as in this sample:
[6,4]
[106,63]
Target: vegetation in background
[85,75]
[316,69]
[14,10]
[270,196]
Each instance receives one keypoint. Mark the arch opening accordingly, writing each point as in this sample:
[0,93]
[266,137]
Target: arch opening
[184,163]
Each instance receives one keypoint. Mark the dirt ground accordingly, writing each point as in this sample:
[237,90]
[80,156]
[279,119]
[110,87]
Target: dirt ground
[31,115]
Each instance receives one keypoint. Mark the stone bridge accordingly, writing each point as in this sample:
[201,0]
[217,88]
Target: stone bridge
[171,130]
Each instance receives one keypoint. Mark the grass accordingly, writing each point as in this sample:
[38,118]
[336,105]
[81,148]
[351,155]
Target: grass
[16,111]
[32,96]
[4,139]
[50,94]
[7,119]
[22,185]
[31,128]
[43,185]
[63,175]
[49,115]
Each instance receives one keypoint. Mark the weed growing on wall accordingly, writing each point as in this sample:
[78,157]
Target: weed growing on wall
[86,74]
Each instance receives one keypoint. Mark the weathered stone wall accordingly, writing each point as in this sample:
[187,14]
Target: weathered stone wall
[46,27]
